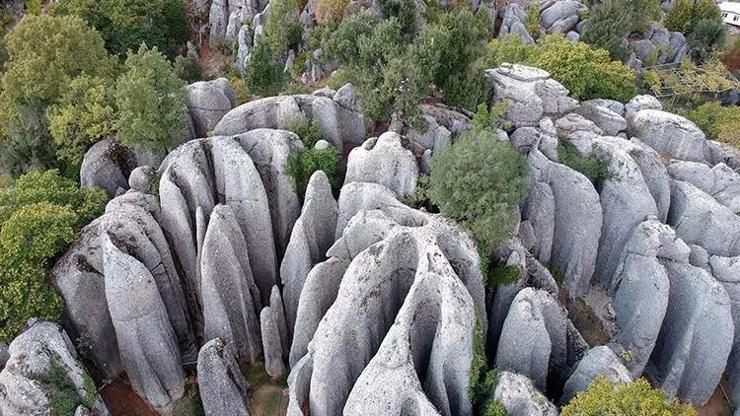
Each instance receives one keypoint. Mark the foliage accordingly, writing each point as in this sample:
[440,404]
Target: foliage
[612,20]
[63,397]
[532,22]
[590,166]
[151,102]
[83,116]
[717,122]
[420,198]
[40,213]
[188,67]
[477,392]
[330,12]
[342,44]
[501,274]
[491,119]
[586,72]
[686,14]
[624,399]
[303,163]
[44,55]
[706,35]
[404,11]
[480,182]
[308,130]
[126,24]
[283,29]
[495,408]
[264,73]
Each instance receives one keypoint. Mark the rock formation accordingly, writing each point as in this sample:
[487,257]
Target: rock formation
[221,384]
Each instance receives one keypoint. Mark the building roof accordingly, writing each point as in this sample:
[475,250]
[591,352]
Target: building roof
[731,7]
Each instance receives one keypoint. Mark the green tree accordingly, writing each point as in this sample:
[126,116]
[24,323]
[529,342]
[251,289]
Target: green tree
[151,101]
[705,37]
[45,54]
[126,24]
[84,115]
[717,122]
[686,14]
[303,163]
[264,73]
[612,20]
[283,28]
[480,182]
[40,214]
[624,399]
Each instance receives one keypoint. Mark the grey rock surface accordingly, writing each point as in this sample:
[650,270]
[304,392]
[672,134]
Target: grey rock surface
[720,181]
[639,103]
[107,165]
[669,134]
[599,361]
[222,387]
[271,344]
[518,395]
[609,121]
[208,102]
[384,161]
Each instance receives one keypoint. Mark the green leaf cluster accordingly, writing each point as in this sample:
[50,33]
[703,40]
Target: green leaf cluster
[40,214]
[684,15]
[301,164]
[605,397]
[612,20]
[717,122]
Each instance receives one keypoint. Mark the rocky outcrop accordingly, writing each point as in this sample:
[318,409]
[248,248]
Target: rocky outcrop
[609,121]
[530,92]
[514,23]
[222,387]
[107,165]
[533,338]
[384,161]
[696,337]
[40,351]
[411,287]
[313,234]
[562,16]
[147,343]
[231,298]
[518,395]
[720,181]
[271,344]
[208,102]
[669,134]
[338,123]
[599,361]
[639,103]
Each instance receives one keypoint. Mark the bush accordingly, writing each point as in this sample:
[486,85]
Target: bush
[587,73]
[309,131]
[404,11]
[303,163]
[624,399]
[283,29]
[329,12]
[590,166]
[686,14]
[612,20]
[480,182]
[40,214]
[45,54]
[264,74]
[83,116]
[126,24]
[151,102]
[717,122]
[706,35]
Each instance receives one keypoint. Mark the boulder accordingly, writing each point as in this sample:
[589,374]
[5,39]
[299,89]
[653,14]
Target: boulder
[142,178]
[599,361]
[313,234]
[222,387]
[696,337]
[531,94]
[609,121]
[41,350]
[107,165]
[724,153]
[218,19]
[614,106]
[572,123]
[146,340]
[719,181]
[513,21]
[639,103]
[338,123]
[384,161]
[669,134]
[208,102]
[655,174]
[561,11]
[231,298]
[518,395]
[4,354]
[271,344]
[533,338]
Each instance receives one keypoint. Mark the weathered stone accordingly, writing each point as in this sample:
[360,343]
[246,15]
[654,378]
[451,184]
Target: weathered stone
[639,103]
[606,119]
[146,339]
[383,161]
[724,153]
[106,165]
[313,234]
[655,174]
[222,387]
[533,338]
[719,181]
[670,134]
[561,10]
[599,361]
[231,298]
[141,178]
[24,386]
[208,102]
[696,337]
[271,347]
[518,395]
[573,122]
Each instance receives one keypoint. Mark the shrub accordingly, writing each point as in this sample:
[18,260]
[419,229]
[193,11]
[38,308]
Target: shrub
[501,274]
[612,20]
[480,182]
[706,35]
[590,166]
[303,163]
[309,131]
[686,14]
[188,67]
[83,116]
[329,12]
[532,22]
[126,24]
[717,122]
[404,11]
[495,408]
[151,102]
[40,214]
[44,55]
[283,29]
[264,74]
[586,72]
[63,396]
[624,399]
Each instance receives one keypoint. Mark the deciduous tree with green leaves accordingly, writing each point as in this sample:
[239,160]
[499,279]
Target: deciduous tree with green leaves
[151,101]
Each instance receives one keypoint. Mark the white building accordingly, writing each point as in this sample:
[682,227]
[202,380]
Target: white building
[730,13]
